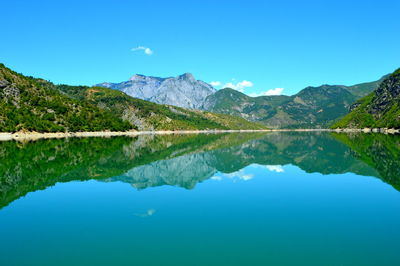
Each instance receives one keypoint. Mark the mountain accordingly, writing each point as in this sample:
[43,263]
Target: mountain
[380,109]
[183,91]
[32,104]
[363,89]
[144,115]
[312,107]
[233,102]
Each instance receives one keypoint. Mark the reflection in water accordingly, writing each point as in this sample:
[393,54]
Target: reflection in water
[149,161]
[148,213]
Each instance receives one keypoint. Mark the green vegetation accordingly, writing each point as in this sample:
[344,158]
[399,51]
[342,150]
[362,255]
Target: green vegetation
[146,115]
[233,102]
[359,117]
[312,107]
[380,151]
[363,89]
[380,109]
[31,166]
[30,104]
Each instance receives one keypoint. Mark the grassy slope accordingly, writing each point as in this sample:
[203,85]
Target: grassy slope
[33,104]
[147,115]
[362,116]
[364,89]
[312,107]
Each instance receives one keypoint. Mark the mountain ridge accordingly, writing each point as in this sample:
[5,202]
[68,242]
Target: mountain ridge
[32,104]
[182,91]
[379,109]
[312,107]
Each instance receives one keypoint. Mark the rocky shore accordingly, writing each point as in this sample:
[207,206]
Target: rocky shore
[369,130]
[37,135]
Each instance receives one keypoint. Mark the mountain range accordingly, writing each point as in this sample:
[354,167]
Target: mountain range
[312,107]
[184,103]
[32,104]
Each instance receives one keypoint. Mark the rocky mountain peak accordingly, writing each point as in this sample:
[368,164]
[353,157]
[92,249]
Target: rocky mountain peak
[137,77]
[183,91]
[188,77]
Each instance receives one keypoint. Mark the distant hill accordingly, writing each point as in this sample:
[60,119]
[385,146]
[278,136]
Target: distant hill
[183,91]
[380,109]
[145,115]
[312,107]
[31,104]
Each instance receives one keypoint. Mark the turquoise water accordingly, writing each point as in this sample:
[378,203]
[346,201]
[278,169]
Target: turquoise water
[218,199]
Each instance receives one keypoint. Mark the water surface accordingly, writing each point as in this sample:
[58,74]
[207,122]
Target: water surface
[218,199]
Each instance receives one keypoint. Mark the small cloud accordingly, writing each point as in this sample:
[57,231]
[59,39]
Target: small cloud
[148,213]
[239,86]
[276,91]
[146,50]
[215,83]
[240,175]
[275,168]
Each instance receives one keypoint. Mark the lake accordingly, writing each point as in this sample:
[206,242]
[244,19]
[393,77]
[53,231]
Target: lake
[289,198]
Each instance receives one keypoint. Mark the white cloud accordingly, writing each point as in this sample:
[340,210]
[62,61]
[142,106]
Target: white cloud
[240,175]
[275,168]
[218,178]
[215,83]
[235,176]
[148,213]
[146,50]
[276,91]
[239,86]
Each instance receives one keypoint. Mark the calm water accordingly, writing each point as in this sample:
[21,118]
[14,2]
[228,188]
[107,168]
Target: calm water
[219,199]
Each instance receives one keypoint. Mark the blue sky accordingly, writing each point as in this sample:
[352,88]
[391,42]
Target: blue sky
[266,44]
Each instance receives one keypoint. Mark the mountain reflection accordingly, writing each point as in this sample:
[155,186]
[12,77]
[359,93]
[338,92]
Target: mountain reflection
[185,160]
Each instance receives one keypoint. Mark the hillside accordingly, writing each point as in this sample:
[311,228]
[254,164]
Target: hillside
[145,115]
[31,104]
[312,107]
[380,109]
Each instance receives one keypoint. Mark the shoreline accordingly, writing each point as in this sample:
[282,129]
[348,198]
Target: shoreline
[5,136]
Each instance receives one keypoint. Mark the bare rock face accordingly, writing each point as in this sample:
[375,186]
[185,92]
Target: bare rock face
[183,91]
[386,94]
[9,92]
